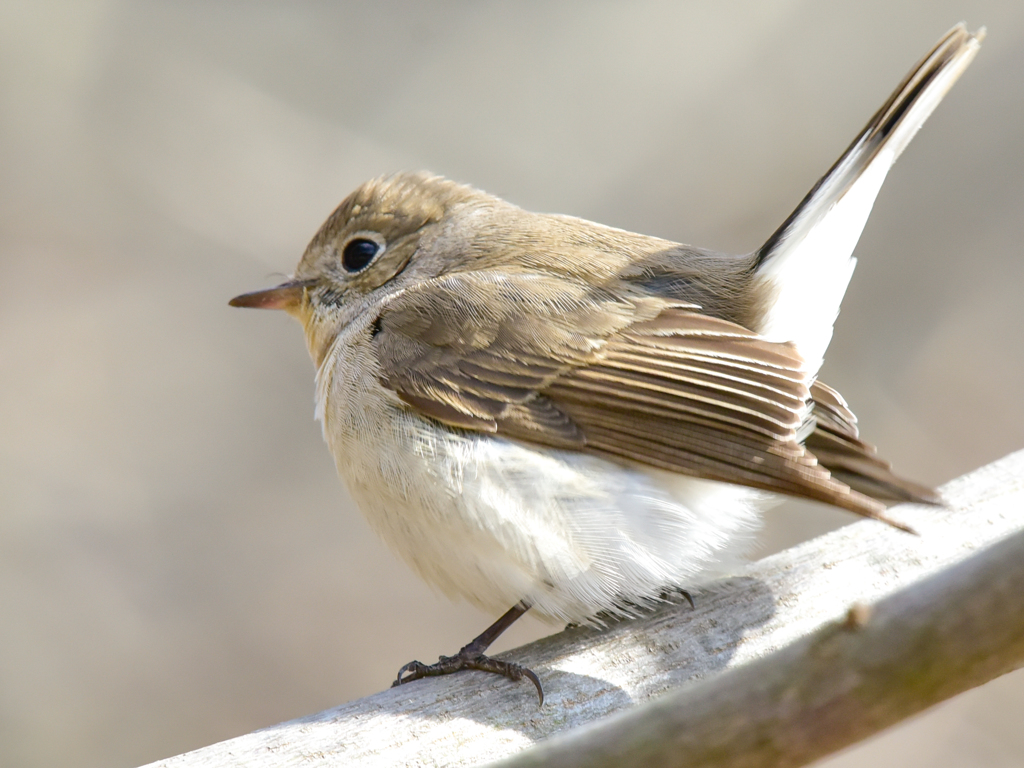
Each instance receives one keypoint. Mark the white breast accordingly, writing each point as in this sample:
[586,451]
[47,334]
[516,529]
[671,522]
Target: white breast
[495,521]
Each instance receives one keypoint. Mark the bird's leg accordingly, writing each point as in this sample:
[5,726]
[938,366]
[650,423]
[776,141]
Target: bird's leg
[471,656]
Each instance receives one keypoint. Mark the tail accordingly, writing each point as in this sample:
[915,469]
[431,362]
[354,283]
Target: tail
[808,262]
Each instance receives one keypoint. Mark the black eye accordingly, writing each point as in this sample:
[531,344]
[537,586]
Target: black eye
[358,254]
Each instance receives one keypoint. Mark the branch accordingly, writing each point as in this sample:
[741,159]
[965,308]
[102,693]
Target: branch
[843,683]
[801,654]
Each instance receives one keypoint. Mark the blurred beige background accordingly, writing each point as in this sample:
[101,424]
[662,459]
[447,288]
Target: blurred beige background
[178,562]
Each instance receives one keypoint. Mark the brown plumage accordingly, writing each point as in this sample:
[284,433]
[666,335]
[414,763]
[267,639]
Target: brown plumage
[630,375]
[543,411]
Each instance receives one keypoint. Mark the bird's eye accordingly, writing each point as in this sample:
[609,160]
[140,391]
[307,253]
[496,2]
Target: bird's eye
[358,254]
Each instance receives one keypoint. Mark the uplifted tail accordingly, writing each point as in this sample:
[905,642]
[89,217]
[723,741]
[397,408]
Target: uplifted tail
[808,260]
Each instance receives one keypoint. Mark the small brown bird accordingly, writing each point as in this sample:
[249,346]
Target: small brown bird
[543,412]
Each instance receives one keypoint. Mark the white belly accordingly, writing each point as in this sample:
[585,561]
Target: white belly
[495,521]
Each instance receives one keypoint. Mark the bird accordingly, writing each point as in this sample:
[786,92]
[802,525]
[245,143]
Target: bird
[542,412]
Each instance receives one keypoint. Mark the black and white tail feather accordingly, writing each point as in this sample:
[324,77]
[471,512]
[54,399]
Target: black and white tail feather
[809,259]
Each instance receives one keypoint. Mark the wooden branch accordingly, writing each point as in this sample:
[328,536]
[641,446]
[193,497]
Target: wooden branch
[843,683]
[801,654]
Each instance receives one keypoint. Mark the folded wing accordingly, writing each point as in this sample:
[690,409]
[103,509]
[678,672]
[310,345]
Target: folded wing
[634,378]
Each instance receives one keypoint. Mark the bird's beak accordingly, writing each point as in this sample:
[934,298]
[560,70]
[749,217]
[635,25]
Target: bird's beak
[286,296]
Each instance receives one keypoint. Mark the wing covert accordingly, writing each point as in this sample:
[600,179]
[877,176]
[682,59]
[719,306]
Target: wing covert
[637,378]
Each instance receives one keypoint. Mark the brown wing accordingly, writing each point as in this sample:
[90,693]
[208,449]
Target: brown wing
[836,444]
[636,378]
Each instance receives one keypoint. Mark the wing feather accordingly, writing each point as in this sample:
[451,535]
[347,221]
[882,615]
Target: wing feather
[632,377]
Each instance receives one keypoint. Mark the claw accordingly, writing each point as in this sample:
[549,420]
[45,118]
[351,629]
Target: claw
[471,656]
[447,665]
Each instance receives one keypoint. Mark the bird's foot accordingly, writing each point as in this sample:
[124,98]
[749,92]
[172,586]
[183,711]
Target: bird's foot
[467,659]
